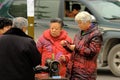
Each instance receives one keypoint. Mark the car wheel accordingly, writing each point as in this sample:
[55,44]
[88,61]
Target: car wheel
[114,60]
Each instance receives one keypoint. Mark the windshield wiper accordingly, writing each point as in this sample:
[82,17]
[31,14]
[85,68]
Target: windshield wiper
[113,18]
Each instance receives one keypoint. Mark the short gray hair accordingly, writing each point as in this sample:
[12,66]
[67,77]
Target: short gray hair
[83,16]
[20,22]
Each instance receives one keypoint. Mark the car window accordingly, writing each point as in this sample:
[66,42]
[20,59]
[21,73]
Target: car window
[107,10]
[71,8]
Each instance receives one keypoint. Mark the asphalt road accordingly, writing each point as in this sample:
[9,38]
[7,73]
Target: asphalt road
[105,74]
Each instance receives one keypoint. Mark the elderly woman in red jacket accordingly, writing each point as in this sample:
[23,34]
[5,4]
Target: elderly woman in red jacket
[87,44]
[49,45]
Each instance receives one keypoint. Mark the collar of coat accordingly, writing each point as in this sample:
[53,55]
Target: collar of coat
[92,28]
[16,31]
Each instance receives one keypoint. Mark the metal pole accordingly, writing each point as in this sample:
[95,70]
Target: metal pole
[30,15]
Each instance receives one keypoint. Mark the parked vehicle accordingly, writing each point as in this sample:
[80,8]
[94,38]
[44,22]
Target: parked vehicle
[106,13]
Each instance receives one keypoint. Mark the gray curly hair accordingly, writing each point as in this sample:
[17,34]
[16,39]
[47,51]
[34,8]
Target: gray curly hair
[20,22]
[83,16]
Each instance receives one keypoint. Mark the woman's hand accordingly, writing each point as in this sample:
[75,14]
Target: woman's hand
[62,58]
[63,42]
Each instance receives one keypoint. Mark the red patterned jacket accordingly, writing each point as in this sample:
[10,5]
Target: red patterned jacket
[48,45]
[83,62]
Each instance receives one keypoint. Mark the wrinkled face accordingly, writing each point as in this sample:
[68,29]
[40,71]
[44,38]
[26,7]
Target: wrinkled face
[83,25]
[55,29]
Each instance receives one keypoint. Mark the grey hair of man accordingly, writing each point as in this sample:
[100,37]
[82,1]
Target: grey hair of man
[20,22]
[58,20]
[83,16]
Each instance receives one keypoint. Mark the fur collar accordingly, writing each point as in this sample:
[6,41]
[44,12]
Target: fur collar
[16,31]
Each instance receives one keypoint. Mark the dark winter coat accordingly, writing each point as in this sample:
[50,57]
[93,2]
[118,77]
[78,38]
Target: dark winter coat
[18,56]
[83,63]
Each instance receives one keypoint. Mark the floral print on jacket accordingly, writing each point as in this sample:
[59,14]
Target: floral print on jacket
[48,45]
[83,61]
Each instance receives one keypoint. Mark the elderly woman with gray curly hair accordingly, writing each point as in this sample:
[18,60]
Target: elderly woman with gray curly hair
[86,47]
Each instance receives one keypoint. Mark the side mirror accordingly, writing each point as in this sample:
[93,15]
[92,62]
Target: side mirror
[93,19]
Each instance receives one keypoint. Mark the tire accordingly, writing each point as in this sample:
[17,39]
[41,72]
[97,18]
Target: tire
[114,60]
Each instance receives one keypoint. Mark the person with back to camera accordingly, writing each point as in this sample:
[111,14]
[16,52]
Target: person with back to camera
[49,45]
[5,24]
[75,9]
[18,53]
[87,44]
